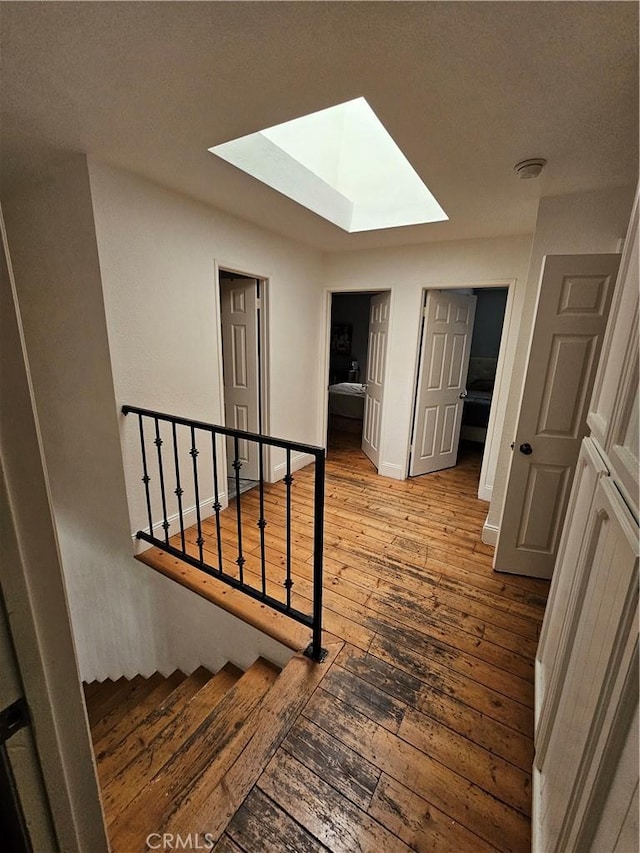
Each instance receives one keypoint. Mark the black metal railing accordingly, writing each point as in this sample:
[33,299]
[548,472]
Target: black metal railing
[199,453]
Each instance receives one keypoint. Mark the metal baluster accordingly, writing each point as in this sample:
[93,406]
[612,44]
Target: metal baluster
[288,480]
[158,443]
[237,465]
[179,491]
[315,651]
[217,506]
[194,455]
[262,523]
[145,475]
[312,621]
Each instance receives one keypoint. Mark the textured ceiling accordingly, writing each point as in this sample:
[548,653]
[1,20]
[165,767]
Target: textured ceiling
[465,89]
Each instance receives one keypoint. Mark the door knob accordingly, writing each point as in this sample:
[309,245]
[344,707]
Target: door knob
[463,394]
[526,449]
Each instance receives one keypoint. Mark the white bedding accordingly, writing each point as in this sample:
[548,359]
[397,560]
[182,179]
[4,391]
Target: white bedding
[347,400]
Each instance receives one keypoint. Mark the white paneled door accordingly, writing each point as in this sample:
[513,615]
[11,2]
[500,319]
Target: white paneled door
[239,313]
[376,359]
[573,305]
[587,675]
[442,376]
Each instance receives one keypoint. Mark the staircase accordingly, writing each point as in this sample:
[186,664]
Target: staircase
[163,746]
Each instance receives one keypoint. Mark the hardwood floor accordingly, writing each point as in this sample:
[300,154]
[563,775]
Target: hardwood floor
[417,732]
[420,734]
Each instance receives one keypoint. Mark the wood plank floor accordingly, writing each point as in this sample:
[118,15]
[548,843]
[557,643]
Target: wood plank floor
[420,734]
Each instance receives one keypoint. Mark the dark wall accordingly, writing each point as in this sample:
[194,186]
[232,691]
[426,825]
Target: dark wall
[351,309]
[487,329]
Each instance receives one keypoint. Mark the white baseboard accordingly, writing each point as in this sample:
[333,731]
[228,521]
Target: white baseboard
[485,492]
[490,534]
[298,461]
[189,518]
[536,834]
[388,469]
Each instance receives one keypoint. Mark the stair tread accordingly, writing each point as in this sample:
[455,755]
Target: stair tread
[212,801]
[152,689]
[112,695]
[218,740]
[113,761]
[91,688]
[163,739]
[112,747]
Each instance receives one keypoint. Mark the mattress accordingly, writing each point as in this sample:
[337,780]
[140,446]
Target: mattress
[347,400]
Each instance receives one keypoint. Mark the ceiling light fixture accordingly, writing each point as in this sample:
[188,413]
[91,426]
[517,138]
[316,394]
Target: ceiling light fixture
[527,169]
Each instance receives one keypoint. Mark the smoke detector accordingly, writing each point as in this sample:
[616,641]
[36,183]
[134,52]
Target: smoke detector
[529,168]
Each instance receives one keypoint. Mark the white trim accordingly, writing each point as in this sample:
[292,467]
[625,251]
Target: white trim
[389,469]
[536,824]
[189,518]
[298,461]
[485,492]
[490,533]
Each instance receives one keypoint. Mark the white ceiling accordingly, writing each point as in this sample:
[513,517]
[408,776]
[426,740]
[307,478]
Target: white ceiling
[465,89]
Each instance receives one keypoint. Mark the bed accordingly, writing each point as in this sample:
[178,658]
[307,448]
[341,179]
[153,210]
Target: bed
[346,400]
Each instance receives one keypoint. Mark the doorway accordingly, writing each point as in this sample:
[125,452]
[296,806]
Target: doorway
[243,335]
[358,331]
[458,376]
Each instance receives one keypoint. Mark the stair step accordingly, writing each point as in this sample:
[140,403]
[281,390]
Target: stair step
[91,688]
[113,754]
[217,794]
[152,690]
[218,739]
[126,784]
[110,696]
[114,761]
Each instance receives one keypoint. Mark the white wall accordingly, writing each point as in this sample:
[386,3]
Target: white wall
[52,241]
[579,223]
[156,346]
[406,271]
[51,759]
[158,252]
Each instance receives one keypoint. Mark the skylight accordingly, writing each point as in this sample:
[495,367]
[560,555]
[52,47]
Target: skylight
[340,163]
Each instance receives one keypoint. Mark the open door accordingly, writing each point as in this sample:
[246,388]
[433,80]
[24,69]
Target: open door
[376,359]
[442,376]
[573,305]
[239,315]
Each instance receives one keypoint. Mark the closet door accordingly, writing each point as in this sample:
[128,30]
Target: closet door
[590,701]
[613,415]
[567,589]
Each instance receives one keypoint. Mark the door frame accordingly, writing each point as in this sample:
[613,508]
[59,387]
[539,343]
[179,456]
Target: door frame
[323,407]
[263,354]
[502,384]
